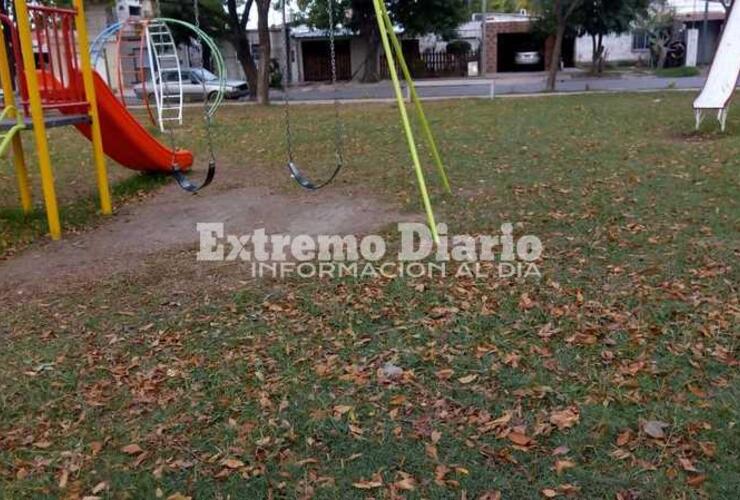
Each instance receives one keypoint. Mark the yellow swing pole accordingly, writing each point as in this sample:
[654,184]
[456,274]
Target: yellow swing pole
[405,120]
[37,117]
[97,136]
[19,159]
[415,98]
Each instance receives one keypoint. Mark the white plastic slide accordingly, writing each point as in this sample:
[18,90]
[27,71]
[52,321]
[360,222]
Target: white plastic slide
[723,74]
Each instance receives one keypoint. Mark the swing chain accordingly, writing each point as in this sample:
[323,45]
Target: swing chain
[295,172]
[207,115]
[286,83]
[333,55]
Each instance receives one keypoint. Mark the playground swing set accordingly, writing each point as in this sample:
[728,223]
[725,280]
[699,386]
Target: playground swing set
[44,61]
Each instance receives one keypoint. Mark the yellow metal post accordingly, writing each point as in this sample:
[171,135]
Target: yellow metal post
[37,116]
[19,160]
[405,120]
[415,98]
[97,136]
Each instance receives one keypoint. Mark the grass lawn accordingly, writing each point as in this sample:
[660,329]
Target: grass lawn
[614,376]
[679,72]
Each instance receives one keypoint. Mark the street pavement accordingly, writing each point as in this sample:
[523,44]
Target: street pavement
[501,85]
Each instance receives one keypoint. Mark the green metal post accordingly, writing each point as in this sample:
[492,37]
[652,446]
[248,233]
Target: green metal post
[415,98]
[405,120]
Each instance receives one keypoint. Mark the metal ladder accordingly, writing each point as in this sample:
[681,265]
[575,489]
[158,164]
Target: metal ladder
[163,59]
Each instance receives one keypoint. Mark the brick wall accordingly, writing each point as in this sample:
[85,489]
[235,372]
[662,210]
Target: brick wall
[492,32]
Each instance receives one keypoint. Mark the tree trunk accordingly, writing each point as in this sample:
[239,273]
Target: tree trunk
[244,55]
[557,50]
[662,56]
[602,54]
[263,30]
[240,41]
[594,55]
[370,66]
[205,56]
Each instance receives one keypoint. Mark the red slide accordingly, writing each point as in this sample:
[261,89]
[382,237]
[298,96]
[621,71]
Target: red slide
[126,141]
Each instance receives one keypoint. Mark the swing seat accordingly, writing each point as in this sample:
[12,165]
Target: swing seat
[301,179]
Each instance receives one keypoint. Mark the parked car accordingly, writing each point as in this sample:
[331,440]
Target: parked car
[527,58]
[193,80]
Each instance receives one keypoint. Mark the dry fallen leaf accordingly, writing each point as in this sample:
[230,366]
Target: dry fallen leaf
[232,463]
[96,447]
[696,481]
[708,448]
[624,438]
[467,379]
[436,436]
[63,479]
[132,449]
[340,410]
[178,496]
[101,486]
[519,439]
[561,465]
[561,450]
[490,495]
[687,465]
[566,418]
[549,493]
[368,485]
[406,483]
[654,428]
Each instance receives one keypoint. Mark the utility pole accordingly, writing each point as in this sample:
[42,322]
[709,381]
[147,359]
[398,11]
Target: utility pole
[483,71]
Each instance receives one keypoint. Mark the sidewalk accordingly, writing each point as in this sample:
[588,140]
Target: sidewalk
[508,84]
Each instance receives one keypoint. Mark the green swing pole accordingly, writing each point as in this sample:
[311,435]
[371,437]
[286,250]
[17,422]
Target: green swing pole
[415,98]
[405,120]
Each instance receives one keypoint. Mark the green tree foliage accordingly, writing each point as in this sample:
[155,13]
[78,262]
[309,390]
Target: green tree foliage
[416,17]
[661,25]
[556,18]
[598,18]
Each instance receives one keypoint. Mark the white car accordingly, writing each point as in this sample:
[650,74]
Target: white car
[197,83]
[527,58]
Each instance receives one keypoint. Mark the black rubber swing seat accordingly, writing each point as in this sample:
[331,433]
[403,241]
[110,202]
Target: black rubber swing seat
[305,182]
[188,186]
[301,179]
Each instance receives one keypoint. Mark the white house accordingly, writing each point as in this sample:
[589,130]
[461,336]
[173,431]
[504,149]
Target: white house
[634,46]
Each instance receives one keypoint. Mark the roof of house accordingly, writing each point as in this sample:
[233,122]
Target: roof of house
[509,17]
[305,32]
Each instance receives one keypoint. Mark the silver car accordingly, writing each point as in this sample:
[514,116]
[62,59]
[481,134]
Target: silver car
[526,58]
[197,83]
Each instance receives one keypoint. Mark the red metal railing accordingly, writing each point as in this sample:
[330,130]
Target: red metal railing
[55,50]
[15,59]
[55,53]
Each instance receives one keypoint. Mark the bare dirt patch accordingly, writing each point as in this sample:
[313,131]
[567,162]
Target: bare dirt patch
[138,234]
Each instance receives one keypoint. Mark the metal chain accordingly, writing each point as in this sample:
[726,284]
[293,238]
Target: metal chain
[338,126]
[286,97]
[207,115]
[333,54]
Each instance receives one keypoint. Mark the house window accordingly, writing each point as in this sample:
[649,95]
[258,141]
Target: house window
[640,40]
[134,10]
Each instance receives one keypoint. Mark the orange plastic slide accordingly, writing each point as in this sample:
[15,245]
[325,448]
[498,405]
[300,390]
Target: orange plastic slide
[126,141]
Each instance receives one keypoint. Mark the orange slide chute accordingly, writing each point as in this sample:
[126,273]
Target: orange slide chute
[126,141]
